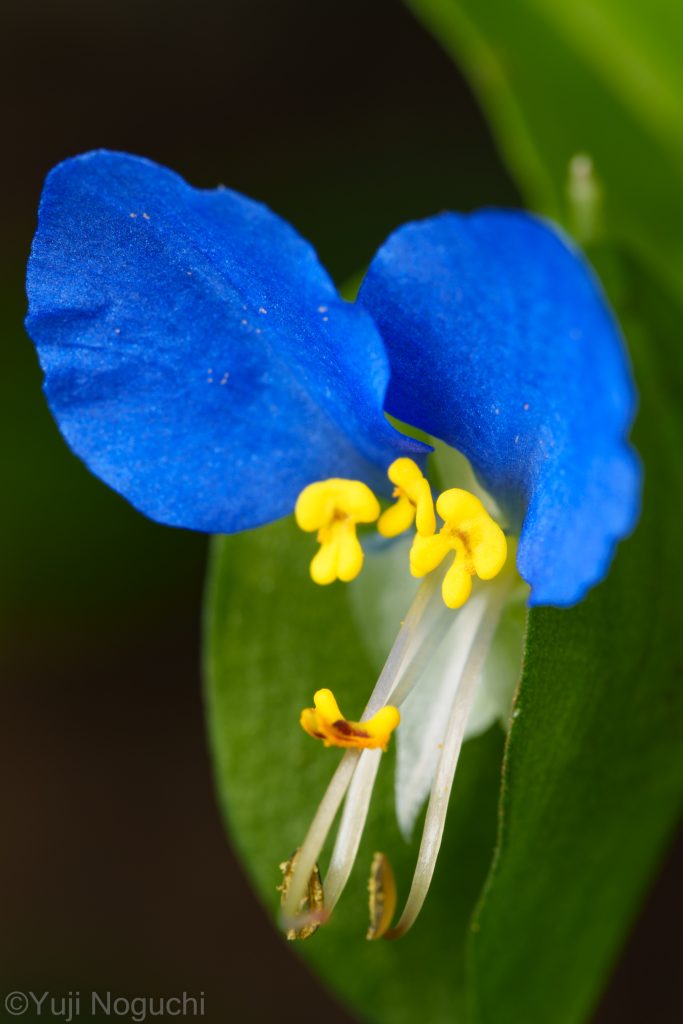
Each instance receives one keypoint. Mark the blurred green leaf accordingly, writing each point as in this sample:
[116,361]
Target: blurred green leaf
[272,639]
[595,77]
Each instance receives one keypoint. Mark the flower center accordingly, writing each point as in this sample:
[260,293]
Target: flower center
[332,508]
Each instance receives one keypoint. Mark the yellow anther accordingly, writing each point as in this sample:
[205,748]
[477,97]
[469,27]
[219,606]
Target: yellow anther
[414,502]
[333,508]
[325,722]
[478,542]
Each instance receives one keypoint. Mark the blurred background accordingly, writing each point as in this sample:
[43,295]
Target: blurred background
[115,873]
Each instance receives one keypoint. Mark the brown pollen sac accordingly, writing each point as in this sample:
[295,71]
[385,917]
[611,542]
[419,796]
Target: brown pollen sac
[346,729]
[312,903]
[381,896]
[462,535]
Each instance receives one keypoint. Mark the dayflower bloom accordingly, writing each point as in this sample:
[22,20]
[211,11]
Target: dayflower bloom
[199,359]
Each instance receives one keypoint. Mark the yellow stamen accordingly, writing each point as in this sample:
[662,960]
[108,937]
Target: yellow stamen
[478,542]
[414,502]
[333,508]
[325,722]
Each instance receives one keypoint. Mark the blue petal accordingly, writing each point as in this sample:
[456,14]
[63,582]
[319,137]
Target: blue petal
[501,344]
[197,356]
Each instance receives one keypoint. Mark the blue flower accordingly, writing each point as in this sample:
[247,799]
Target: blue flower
[199,360]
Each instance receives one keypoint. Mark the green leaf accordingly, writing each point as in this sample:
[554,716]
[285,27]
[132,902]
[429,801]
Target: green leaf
[272,639]
[593,770]
[593,777]
[597,77]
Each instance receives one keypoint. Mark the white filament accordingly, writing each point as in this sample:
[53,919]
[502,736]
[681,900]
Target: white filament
[469,639]
[401,670]
[406,657]
[351,827]
[463,686]
[316,836]
[425,714]
[413,646]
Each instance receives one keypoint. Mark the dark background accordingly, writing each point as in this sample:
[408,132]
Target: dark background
[114,870]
